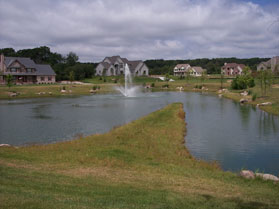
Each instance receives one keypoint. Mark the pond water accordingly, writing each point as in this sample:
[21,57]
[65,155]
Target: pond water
[237,136]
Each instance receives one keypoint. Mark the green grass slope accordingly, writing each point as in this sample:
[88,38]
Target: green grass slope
[143,164]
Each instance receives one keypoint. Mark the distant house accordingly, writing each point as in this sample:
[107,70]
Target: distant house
[114,65]
[183,69]
[232,69]
[272,64]
[25,71]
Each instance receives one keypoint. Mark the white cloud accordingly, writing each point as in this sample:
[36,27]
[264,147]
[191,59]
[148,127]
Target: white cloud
[141,29]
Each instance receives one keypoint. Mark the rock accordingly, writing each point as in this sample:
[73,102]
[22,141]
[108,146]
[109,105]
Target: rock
[63,91]
[5,145]
[70,91]
[225,90]
[243,100]
[13,94]
[247,174]
[50,93]
[264,104]
[267,176]
[220,91]
[93,91]
[180,88]
[220,95]
[245,93]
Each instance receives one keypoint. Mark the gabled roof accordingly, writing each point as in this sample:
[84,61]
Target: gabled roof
[233,65]
[182,65]
[44,70]
[133,64]
[27,62]
[106,65]
[198,69]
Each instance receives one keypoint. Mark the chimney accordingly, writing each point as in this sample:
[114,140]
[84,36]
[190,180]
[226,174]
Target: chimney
[2,62]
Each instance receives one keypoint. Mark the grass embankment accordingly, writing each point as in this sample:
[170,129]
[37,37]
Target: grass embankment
[54,90]
[213,86]
[143,164]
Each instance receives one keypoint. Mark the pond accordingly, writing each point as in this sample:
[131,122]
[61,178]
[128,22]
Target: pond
[236,136]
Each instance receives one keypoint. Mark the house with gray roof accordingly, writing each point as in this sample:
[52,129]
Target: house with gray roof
[25,71]
[112,66]
[184,69]
[272,64]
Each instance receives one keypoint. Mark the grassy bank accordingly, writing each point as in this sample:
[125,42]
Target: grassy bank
[36,91]
[143,164]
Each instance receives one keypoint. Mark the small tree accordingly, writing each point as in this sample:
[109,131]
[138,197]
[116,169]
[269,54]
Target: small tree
[265,77]
[222,80]
[9,80]
[167,77]
[188,76]
[203,76]
[71,76]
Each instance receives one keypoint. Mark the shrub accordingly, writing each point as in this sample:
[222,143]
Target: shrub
[63,87]
[94,88]
[105,80]
[100,78]
[153,85]
[254,97]
[250,92]
[165,86]
[242,82]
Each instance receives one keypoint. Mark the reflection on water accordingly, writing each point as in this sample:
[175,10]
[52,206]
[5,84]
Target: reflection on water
[235,135]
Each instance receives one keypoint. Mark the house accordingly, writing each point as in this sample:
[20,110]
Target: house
[232,69]
[272,64]
[184,69]
[25,71]
[115,65]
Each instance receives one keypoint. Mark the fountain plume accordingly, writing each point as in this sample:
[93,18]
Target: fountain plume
[128,90]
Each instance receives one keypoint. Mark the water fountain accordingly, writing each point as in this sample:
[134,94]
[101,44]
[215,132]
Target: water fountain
[128,90]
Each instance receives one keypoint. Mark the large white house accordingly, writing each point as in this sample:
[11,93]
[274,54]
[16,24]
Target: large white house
[114,65]
[184,69]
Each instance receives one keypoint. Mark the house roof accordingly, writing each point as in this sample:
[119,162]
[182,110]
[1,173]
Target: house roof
[133,64]
[44,70]
[182,65]
[231,65]
[29,63]
[198,69]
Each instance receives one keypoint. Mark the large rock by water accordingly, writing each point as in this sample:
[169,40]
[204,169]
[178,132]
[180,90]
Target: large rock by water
[267,176]
[247,174]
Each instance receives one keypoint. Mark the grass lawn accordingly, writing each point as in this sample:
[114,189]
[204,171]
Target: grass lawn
[143,164]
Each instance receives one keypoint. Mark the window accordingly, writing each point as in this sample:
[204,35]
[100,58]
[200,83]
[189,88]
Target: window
[49,78]
[13,69]
[121,65]
[42,78]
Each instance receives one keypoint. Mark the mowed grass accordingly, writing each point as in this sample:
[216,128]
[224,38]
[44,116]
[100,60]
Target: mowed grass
[143,164]
[49,90]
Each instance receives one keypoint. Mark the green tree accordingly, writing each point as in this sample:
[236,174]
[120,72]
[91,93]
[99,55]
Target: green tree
[71,59]
[221,80]
[9,80]
[265,77]
[71,76]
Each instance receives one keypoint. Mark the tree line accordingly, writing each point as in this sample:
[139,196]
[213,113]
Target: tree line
[64,66]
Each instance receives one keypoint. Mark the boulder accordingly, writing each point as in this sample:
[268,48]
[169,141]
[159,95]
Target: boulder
[13,94]
[247,174]
[267,176]
[5,145]
[63,91]
[245,93]
[264,104]
[243,100]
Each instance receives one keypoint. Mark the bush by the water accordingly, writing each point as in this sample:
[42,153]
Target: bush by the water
[153,85]
[165,86]
[243,81]
[254,96]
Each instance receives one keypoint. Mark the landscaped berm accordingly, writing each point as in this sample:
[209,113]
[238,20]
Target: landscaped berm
[143,164]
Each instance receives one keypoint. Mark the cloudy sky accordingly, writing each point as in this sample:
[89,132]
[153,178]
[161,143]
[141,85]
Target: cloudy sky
[143,29]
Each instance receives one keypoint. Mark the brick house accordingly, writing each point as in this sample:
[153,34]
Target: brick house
[25,71]
[232,69]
